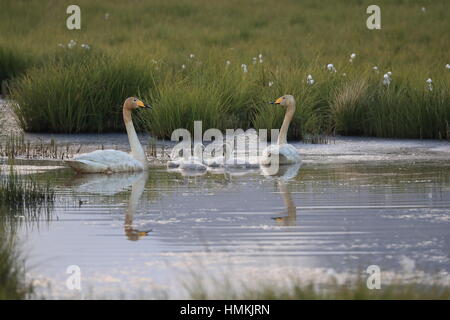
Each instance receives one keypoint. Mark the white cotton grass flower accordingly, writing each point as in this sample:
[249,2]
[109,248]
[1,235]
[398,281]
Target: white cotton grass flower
[375,68]
[387,78]
[270,83]
[183,66]
[429,83]
[228,62]
[424,9]
[192,56]
[71,44]
[61,45]
[310,80]
[447,66]
[352,57]
[86,46]
[244,68]
[260,56]
[331,67]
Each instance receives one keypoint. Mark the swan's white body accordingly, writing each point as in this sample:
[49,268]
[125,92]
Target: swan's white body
[193,164]
[232,162]
[282,153]
[284,172]
[190,163]
[111,161]
[105,161]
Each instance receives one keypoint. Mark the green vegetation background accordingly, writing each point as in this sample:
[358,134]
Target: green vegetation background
[140,47]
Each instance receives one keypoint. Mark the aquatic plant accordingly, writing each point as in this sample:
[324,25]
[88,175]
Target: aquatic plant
[24,194]
[14,146]
[13,284]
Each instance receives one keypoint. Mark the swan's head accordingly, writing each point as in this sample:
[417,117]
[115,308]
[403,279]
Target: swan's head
[286,100]
[134,103]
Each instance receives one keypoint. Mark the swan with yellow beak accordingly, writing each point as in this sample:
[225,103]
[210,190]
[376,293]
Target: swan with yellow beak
[110,161]
[282,152]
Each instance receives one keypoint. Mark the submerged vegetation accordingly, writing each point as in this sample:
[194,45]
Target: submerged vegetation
[221,62]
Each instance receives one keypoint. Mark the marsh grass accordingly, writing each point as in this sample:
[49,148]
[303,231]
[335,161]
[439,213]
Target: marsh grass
[82,96]
[24,195]
[329,290]
[13,62]
[136,51]
[16,146]
[13,283]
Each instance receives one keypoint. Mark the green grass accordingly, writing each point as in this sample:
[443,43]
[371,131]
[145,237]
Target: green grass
[13,285]
[77,90]
[24,194]
[13,63]
[83,96]
[329,290]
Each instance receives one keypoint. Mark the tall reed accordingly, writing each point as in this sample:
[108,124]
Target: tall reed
[81,96]
[23,194]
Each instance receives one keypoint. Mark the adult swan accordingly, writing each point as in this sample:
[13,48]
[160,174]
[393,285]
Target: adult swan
[282,152]
[110,161]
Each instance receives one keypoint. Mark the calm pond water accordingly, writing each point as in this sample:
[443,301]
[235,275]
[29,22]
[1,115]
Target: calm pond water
[350,205]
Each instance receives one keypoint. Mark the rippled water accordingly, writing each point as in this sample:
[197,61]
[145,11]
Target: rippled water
[144,234]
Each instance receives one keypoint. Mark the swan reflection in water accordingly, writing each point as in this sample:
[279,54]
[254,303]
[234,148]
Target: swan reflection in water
[109,185]
[285,173]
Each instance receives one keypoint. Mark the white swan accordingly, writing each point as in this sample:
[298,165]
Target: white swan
[200,162]
[189,162]
[282,152]
[109,161]
[230,159]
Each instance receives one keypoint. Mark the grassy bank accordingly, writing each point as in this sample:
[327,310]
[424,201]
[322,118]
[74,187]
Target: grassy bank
[333,291]
[328,288]
[186,58]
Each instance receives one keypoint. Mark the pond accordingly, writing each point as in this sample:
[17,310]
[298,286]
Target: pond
[351,204]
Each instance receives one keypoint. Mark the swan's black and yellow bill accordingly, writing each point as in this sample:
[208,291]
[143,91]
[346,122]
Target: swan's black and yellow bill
[278,101]
[143,105]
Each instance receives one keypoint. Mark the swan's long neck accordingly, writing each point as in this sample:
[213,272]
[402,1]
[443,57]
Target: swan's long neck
[136,148]
[282,137]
